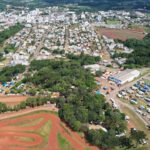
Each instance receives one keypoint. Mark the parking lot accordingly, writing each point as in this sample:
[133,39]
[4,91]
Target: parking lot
[105,86]
[138,95]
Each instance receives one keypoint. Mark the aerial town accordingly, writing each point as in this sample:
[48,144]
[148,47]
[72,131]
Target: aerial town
[100,42]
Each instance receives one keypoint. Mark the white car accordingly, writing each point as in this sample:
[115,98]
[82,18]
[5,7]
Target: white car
[119,95]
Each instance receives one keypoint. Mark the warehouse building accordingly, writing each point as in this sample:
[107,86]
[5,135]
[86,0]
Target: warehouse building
[124,76]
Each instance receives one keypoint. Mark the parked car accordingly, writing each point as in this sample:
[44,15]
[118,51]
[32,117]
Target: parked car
[119,95]
[134,88]
[133,101]
[142,107]
[147,100]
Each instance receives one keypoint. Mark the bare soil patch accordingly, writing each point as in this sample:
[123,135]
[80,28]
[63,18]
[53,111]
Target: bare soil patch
[12,100]
[122,34]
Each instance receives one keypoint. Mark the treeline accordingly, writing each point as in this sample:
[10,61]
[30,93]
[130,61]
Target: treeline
[84,59]
[30,102]
[3,107]
[33,102]
[116,4]
[94,4]
[8,73]
[110,141]
[78,105]
[7,33]
[140,57]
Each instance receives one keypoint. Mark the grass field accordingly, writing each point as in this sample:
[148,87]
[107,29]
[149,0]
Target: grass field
[137,123]
[147,29]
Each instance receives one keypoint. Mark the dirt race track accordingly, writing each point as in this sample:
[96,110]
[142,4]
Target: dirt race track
[13,133]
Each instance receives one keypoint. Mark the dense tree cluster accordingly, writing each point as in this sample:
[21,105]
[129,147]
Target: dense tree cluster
[32,102]
[3,107]
[78,105]
[7,33]
[84,59]
[141,54]
[7,73]
[108,140]
[61,76]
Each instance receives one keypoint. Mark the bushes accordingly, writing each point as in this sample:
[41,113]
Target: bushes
[3,107]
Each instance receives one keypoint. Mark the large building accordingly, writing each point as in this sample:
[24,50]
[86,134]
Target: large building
[124,76]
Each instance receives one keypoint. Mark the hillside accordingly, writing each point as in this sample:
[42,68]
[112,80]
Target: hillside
[98,4]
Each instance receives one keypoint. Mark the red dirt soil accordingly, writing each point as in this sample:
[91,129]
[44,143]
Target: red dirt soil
[9,133]
[12,100]
[122,34]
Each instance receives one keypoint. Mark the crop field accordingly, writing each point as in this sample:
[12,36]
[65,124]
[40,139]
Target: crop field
[122,34]
[39,130]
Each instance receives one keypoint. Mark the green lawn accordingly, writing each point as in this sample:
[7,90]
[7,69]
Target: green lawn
[147,29]
[135,119]
[63,143]
[113,21]
[137,122]
[44,132]
[140,148]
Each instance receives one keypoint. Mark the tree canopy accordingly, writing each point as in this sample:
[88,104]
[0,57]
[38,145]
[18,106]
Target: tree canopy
[78,104]
[7,33]
[141,54]
[7,73]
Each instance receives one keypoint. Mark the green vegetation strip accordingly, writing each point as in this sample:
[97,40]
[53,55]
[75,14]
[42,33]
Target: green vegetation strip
[137,122]
[11,31]
[63,143]
[28,122]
